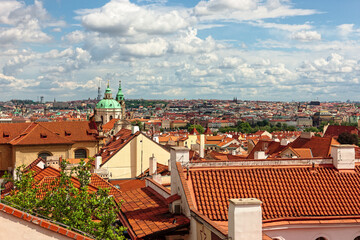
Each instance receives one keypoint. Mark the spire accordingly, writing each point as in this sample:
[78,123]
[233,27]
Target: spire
[119,95]
[108,94]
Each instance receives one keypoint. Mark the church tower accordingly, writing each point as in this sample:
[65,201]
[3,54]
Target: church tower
[107,108]
[120,99]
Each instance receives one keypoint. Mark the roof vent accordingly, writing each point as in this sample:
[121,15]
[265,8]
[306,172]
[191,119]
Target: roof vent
[6,134]
[67,133]
[43,135]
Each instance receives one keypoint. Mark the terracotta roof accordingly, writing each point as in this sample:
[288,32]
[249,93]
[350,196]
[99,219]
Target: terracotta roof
[208,131]
[109,125]
[320,146]
[335,131]
[99,182]
[128,184]
[47,133]
[47,225]
[194,132]
[37,134]
[270,148]
[303,152]
[286,192]
[116,144]
[148,213]
[160,169]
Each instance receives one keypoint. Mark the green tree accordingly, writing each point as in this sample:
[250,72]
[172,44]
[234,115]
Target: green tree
[60,200]
[348,138]
[311,129]
[244,127]
[198,127]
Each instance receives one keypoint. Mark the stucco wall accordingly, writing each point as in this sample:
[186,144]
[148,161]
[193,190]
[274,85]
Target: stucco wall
[133,159]
[27,154]
[313,231]
[17,229]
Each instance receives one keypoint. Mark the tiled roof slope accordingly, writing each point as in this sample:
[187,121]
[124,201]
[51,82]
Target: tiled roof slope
[286,192]
[37,134]
[57,132]
[116,144]
[335,131]
[320,146]
[270,148]
[42,223]
[148,213]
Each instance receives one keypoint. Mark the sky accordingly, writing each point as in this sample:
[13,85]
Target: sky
[275,50]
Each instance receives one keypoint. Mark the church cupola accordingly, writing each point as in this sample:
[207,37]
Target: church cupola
[108,94]
[119,95]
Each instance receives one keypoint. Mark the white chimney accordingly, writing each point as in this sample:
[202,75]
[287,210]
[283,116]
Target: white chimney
[152,165]
[177,155]
[156,139]
[284,142]
[98,161]
[134,129]
[202,146]
[343,156]
[245,219]
[259,155]
[306,135]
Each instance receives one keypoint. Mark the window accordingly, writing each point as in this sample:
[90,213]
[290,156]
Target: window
[80,153]
[43,155]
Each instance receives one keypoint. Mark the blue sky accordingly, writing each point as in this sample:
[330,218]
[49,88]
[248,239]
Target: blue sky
[254,50]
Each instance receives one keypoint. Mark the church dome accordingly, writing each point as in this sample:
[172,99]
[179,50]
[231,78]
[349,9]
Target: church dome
[108,103]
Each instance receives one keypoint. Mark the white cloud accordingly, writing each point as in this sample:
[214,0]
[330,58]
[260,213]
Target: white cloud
[127,19]
[285,27]
[306,36]
[247,10]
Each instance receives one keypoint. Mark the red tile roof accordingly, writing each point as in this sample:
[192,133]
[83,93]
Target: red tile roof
[47,225]
[286,192]
[47,133]
[335,131]
[148,213]
[119,141]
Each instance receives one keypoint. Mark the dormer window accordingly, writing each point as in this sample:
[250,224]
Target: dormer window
[6,134]
[43,135]
[67,133]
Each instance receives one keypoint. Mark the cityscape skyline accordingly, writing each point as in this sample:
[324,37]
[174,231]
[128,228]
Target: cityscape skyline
[255,50]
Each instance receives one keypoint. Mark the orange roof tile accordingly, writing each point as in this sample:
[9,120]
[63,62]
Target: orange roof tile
[148,213]
[286,192]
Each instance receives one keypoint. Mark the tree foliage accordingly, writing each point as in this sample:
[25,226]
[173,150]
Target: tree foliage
[198,127]
[92,212]
[348,138]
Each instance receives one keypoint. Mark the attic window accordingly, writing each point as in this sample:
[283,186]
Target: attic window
[6,134]
[43,135]
[67,133]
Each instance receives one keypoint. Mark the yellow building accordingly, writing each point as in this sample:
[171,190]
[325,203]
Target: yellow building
[22,143]
[127,154]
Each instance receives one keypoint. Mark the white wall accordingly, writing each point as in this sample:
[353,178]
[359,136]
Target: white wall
[14,228]
[312,231]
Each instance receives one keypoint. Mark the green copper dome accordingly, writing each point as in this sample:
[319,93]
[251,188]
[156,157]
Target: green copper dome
[108,103]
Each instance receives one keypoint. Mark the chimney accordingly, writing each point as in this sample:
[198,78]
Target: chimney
[343,156]
[177,155]
[156,139]
[52,161]
[306,135]
[152,165]
[245,219]
[284,142]
[259,155]
[202,145]
[134,129]
[98,161]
